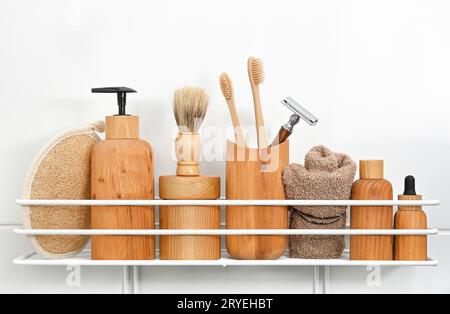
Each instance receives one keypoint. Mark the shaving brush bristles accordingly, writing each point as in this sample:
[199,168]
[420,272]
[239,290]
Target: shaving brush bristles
[190,106]
[256,71]
[227,86]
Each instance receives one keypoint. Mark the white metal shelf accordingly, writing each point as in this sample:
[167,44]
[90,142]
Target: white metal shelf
[131,268]
[223,202]
[84,259]
[223,232]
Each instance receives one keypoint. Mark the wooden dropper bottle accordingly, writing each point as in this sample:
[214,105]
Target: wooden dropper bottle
[122,169]
[190,106]
[411,248]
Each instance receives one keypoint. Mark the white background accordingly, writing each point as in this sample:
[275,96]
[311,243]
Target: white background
[375,72]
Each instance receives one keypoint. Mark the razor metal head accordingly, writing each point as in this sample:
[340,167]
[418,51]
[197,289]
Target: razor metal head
[299,110]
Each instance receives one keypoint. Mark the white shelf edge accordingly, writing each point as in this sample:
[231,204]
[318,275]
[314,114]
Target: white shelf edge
[222,202]
[224,232]
[32,259]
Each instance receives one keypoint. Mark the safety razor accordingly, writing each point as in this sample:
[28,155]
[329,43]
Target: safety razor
[300,113]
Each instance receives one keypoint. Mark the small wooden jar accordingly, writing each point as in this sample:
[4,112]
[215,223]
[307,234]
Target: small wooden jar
[250,178]
[190,217]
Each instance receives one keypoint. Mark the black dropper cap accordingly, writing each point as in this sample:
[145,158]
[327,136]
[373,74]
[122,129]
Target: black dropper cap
[410,186]
[121,96]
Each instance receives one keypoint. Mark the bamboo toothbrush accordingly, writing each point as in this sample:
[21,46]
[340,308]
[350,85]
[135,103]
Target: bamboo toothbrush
[228,92]
[256,75]
[190,107]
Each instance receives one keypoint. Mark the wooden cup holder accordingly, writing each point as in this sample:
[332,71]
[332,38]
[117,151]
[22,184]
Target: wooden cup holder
[249,177]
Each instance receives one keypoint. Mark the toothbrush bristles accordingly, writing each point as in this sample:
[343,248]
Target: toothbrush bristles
[226,86]
[257,71]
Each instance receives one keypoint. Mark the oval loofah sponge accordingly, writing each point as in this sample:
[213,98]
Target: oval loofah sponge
[61,170]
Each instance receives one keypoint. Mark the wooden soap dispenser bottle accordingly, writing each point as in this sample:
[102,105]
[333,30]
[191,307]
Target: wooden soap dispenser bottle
[122,169]
[190,106]
[410,248]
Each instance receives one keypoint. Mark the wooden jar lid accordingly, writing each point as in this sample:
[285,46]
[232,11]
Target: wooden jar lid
[189,188]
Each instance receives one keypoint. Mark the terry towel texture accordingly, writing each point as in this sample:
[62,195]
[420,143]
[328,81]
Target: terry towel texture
[325,176]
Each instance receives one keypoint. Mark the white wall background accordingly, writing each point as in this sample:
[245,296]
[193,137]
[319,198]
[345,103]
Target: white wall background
[375,72]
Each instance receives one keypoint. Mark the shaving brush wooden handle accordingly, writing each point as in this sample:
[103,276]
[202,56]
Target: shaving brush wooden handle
[188,150]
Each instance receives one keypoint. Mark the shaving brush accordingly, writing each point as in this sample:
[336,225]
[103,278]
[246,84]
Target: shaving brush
[190,107]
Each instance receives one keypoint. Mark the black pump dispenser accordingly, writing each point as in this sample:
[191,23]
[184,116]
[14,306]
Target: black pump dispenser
[410,186]
[121,96]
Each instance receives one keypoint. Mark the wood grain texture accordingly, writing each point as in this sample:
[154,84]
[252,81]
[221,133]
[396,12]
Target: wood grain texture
[246,180]
[371,169]
[282,137]
[188,149]
[122,127]
[411,248]
[372,247]
[189,188]
[190,217]
[122,169]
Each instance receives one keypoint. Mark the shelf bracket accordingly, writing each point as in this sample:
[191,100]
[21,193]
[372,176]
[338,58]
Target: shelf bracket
[131,280]
[317,284]
[321,280]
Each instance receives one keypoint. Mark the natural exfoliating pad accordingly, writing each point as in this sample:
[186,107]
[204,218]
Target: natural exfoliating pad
[61,170]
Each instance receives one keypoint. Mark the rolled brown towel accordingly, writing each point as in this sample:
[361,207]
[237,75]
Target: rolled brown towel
[325,176]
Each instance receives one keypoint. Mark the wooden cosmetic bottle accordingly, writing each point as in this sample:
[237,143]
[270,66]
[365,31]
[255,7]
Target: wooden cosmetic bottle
[410,248]
[122,169]
[372,186]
